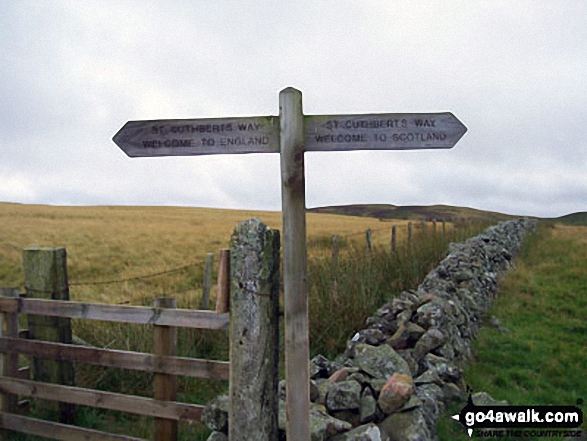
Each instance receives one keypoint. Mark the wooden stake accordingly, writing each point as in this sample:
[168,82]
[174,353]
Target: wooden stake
[409,235]
[368,244]
[207,279]
[334,270]
[293,199]
[8,361]
[223,284]
[393,238]
[45,276]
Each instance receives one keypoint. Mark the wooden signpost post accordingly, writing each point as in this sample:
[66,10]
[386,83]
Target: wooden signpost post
[291,134]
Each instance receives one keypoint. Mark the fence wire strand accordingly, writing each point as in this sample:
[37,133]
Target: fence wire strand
[134,278]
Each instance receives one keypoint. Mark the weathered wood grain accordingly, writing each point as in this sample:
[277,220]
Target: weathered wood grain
[190,367]
[293,199]
[45,276]
[207,281]
[184,318]
[223,284]
[206,136]
[382,131]
[102,400]
[165,385]
[62,432]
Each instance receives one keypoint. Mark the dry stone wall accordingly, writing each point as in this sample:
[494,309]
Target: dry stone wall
[397,375]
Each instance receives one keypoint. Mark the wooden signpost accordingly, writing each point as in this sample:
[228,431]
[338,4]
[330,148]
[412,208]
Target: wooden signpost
[291,134]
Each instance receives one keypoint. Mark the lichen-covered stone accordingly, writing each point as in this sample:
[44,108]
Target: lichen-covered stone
[429,341]
[368,408]
[396,392]
[215,414]
[344,395]
[217,436]
[367,432]
[379,361]
[405,426]
[323,426]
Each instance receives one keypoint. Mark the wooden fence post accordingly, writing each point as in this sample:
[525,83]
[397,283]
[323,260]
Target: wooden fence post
[223,284]
[409,235]
[8,361]
[295,265]
[207,279]
[254,332]
[334,268]
[45,276]
[165,385]
[393,238]
[368,243]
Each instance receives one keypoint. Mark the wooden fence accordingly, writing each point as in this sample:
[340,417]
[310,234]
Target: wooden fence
[261,292]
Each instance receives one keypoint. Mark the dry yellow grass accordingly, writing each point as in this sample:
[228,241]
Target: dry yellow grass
[108,243]
[576,233]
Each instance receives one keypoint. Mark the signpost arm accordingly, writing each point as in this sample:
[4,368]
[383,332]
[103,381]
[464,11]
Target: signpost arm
[293,199]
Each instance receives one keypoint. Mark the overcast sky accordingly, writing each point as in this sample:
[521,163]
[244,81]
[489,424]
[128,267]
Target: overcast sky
[514,72]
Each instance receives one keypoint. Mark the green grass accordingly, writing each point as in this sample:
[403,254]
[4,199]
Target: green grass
[543,359]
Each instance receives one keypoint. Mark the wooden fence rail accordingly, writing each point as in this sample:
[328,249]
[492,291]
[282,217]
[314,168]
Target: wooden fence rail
[184,318]
[254,276]
[182,366]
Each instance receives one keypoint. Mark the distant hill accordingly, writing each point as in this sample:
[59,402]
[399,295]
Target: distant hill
[579,218]
[413,212]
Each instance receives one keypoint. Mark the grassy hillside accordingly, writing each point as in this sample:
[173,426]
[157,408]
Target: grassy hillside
[105,243]
[579,218]
[414,212]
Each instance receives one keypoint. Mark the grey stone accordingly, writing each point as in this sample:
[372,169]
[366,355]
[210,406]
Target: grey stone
[412,403]
[400,339]
[484,399]
[215,414]
[368,408]
[429,376]
[431,339]
[495,322]
[319,366]
[367,432]
[314,391]
[323,385]
[217,436]
[452,392]
[432,402]
[447,371]
[406,354]
[380,361]
[405,426]
[323,426]
[350,416]
[344,395]
[396,392]
[431,314]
